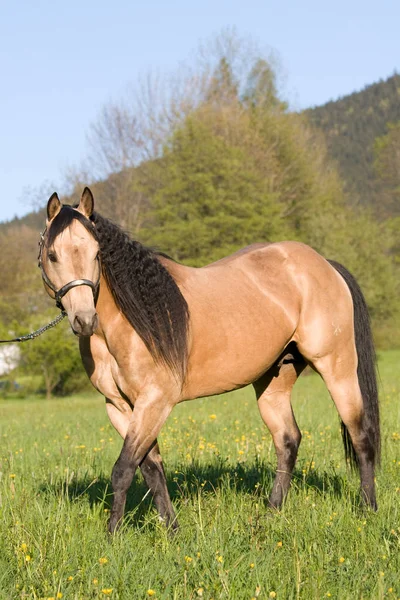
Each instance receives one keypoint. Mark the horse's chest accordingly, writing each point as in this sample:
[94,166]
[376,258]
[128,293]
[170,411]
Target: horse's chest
[125,381]
[105,372]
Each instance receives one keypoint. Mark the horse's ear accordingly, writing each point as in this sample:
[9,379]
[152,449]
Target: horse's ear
[86,205]
[53,206]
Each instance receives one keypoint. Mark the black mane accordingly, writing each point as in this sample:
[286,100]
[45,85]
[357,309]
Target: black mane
[142,288]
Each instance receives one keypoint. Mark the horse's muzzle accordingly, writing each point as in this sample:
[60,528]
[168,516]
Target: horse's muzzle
[85,324]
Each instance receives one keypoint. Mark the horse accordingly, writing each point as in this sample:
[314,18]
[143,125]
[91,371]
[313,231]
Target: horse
[153,333]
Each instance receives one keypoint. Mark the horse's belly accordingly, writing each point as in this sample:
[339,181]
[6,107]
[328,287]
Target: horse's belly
[233,357]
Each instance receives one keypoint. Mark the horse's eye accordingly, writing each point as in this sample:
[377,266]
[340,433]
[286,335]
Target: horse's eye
[52,257]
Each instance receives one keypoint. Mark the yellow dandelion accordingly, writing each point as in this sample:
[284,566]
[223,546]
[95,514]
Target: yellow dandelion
[279,544]
[151,592]
[27,558]
[24,547]
[341,559]
[220,559]
[70,578]
[103,561]
[212,417]
[272,594]
[12,475]
[252,565]
[188,559]
[200,592]
[107,591]
[95,581]
[59,595]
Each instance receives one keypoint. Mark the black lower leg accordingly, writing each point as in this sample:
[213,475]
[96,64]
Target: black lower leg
[121,479]
[366,460]
[287,453]
[153,473]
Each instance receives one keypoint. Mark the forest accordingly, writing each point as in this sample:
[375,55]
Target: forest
[211,161]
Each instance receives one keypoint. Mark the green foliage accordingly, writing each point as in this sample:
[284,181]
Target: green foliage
[239,172]
[56,461]
[211,199]
[260,90]
[54,357]
[223,85]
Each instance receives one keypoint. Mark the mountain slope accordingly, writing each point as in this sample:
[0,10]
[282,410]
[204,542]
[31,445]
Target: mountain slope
[351,126]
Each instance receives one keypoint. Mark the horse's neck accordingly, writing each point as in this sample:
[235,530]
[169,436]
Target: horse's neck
[180,273]
[107,310]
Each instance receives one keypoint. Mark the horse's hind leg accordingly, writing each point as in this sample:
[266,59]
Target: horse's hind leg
[273,391]
[153,473]
[340,375]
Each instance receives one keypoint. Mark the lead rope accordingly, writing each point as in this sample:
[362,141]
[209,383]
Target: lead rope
[35,334]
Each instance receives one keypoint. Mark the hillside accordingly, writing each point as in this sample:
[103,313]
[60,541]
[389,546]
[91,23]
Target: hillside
[34,220]
[351,126]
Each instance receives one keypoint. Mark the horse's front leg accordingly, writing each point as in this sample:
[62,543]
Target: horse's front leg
[153,473]
[149,415]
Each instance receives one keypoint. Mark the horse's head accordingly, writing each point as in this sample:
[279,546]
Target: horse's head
[69,260]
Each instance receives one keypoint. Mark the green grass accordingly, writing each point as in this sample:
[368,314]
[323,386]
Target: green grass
[55,464]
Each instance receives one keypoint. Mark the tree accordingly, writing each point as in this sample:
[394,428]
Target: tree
[222,87]
[208,197]
[54,357]
[260,87]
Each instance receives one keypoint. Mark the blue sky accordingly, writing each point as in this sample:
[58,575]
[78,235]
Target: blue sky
[60,62]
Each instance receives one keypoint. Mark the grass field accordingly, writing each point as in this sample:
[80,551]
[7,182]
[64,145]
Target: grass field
[55,464]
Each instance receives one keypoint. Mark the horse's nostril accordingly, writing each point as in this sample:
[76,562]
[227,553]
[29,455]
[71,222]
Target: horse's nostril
[95,321]
[78,324]
[85,324]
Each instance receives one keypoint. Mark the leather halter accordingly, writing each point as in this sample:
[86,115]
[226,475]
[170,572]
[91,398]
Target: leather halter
[59,294]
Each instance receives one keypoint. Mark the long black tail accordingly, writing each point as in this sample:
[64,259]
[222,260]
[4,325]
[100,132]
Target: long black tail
[366,370]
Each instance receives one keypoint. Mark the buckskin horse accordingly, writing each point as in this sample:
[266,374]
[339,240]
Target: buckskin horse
[153,333]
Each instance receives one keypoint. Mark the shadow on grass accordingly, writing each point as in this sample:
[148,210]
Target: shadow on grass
[185,483]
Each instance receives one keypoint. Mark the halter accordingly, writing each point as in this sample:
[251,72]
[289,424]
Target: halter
[59,294]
